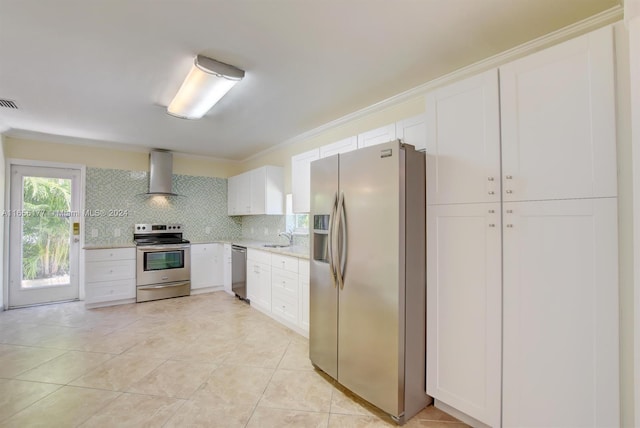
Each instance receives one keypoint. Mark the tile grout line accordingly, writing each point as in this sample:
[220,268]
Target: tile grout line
[267,384]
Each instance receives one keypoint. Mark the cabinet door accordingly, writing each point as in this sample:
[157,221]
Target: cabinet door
[558,121]
[259,285]
[377,136]
[303,279]
[258,192]
[342,146]
[243,193]
[226,260]
[202,267]
[301,180]
[464,308]
[207,268]
[273,190]
[232,195]
[561,314]
[413,131]
[463,141]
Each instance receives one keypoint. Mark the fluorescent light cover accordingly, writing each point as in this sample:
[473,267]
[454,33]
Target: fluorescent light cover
[205,84]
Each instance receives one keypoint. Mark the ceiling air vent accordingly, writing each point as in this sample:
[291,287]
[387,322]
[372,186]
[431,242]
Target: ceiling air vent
[8,104]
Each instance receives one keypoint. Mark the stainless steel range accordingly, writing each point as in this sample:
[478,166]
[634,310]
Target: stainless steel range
[163,262]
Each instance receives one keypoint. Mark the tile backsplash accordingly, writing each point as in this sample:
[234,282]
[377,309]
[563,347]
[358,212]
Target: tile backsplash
[115,201]
[267,228]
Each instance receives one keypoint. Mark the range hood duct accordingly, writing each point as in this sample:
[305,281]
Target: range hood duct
[160,173]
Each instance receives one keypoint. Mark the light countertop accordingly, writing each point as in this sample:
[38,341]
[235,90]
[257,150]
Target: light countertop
[294,251]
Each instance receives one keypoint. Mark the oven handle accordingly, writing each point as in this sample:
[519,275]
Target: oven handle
[148,248]
[154,287]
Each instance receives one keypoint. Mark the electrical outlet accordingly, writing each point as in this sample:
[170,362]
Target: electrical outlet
[116,232]
[207,230]
[94,233]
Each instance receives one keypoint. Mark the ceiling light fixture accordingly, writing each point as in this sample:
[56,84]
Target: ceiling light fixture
[207,82]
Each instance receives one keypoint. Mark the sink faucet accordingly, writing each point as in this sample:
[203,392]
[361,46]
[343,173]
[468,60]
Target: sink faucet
[288,235]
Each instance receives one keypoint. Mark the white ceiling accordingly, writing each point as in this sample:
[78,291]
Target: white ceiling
[105,70]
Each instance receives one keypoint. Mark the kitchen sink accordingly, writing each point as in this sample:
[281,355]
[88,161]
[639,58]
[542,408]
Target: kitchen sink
[276,245]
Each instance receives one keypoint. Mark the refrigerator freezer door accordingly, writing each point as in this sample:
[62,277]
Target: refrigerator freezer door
[371,301]
[323,293]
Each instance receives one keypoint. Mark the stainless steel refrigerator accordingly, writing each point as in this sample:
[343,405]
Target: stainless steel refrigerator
[367,296]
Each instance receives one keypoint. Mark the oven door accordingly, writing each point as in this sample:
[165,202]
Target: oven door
[163,264]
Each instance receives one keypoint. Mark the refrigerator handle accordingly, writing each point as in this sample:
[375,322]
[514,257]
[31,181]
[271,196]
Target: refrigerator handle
[341,229]
[332,219]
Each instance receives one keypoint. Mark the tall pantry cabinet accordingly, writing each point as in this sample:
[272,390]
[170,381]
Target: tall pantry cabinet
[522,282]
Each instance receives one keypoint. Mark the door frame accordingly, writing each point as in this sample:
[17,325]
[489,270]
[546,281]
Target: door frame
[9,162]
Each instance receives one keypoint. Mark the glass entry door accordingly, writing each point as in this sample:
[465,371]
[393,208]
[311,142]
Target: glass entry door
[44,235]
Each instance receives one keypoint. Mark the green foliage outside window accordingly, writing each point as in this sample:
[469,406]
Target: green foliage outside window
[45,242]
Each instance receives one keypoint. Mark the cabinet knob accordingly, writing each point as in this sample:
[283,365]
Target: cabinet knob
[509,225]
[491,211]
[509,177]
[509,191]
[490,178]
[492,192]
[492,225]
[509,211]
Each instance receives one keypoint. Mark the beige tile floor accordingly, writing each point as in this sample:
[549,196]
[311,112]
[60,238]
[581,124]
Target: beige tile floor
[207,360]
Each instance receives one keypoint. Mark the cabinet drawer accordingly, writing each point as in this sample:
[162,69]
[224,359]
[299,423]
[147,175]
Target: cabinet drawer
[285,281]
[285,309]
[110,254]
[110,290]
[258,256]
[258,268]
[203,248]
[111,270]
[303,267]
[284,262]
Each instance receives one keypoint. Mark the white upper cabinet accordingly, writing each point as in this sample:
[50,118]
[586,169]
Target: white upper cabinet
[301,180]
[380,135]
[560,337]
[342,146]
[464,308]
[259,191]
[243,193]
[558,121]
[232,195]
[413,131]
[463,141]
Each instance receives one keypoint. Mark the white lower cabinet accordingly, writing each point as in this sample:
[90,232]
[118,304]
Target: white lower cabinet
[546,294]
[110,276]
[464,308]
[278,285]
[259,279]
[284,288]
[560,364]
[207,267]
[303,278]
[227,269]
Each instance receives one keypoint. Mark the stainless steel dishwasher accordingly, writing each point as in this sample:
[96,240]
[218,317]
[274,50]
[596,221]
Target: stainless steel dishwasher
[239,272]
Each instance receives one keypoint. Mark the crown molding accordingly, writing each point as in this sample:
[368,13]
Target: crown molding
[599,20]
[20,134]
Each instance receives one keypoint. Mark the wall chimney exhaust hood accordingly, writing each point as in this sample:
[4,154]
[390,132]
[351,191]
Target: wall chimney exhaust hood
[160,173]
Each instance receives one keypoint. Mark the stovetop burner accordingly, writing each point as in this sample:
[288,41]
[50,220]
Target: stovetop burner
[158,234]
